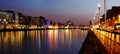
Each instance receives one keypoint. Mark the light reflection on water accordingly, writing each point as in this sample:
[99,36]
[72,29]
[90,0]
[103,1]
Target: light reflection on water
[67,41]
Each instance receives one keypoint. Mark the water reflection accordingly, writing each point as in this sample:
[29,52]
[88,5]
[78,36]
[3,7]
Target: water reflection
[42,41]
[9,41]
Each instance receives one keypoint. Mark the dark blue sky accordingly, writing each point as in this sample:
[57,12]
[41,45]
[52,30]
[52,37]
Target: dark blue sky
[79,11]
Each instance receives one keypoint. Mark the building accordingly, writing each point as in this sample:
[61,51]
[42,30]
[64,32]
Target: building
[16,20]
[113,17]
[12,19]
[6,19]
[39,21]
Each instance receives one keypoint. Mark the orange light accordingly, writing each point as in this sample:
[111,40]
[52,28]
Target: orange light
[50,26]
[119,18]
[56,27]
[113,17]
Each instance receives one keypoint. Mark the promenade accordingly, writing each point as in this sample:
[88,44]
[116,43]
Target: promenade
[92,45]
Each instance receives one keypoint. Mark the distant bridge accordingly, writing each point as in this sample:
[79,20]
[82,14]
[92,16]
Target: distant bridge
[68,24]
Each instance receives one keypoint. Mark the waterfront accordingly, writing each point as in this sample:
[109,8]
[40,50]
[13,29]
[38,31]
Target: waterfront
[92,45]
[110,40]
[59,41]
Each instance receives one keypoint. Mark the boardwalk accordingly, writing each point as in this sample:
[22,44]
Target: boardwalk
[92,45]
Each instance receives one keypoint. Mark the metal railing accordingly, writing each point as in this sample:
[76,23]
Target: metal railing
[109,39]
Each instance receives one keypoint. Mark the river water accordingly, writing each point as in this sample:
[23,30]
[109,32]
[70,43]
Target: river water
[61,41]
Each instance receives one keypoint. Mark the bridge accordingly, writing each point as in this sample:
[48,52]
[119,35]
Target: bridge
[68,24]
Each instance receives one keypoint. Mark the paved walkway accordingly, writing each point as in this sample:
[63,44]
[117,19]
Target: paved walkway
[92,45]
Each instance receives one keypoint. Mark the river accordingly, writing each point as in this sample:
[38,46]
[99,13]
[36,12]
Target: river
[61,41]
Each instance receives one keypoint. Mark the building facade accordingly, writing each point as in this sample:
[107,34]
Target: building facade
[113,17]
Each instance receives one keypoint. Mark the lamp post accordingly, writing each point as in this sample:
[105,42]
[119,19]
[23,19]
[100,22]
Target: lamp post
[105,13]
[99,13]
[93,23]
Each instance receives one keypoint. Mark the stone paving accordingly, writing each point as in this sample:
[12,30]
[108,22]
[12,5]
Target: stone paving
[92,45]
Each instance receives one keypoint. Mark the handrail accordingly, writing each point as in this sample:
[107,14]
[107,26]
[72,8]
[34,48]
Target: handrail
[109,39]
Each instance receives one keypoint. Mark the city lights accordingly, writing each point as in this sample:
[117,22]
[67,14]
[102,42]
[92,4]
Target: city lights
[119,18]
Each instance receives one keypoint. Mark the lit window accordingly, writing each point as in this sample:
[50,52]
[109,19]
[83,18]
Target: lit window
[4,19]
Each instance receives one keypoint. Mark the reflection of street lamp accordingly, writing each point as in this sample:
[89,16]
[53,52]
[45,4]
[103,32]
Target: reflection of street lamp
[99,13]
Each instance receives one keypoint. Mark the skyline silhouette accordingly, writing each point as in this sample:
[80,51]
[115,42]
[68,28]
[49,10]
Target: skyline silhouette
[78,11]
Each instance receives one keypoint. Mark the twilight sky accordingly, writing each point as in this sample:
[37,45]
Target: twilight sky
[79,11]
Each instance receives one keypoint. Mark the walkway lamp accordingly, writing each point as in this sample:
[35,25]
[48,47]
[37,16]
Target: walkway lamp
[99,13]
[105,13]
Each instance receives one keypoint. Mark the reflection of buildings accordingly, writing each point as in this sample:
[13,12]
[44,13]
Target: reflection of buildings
[11,39]
[113,17]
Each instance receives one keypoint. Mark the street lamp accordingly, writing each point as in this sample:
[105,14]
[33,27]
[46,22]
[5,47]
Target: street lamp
[105,12]
[93,20]
[99,13]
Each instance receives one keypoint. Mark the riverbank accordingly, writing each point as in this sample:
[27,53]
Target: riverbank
[92,45]
[2,30]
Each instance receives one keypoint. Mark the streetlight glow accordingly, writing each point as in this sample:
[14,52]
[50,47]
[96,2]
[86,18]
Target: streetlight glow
[99,5]
[4,19]
[119,18]
[99,13]
[96,12]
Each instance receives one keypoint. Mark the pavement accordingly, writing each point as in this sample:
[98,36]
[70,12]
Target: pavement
[92,45]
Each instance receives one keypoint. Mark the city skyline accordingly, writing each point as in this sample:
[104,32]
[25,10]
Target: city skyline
[79,11]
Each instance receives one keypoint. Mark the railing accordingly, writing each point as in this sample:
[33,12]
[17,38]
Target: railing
[110,40]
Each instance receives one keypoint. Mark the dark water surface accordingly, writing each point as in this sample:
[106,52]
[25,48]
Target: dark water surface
[60,41]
